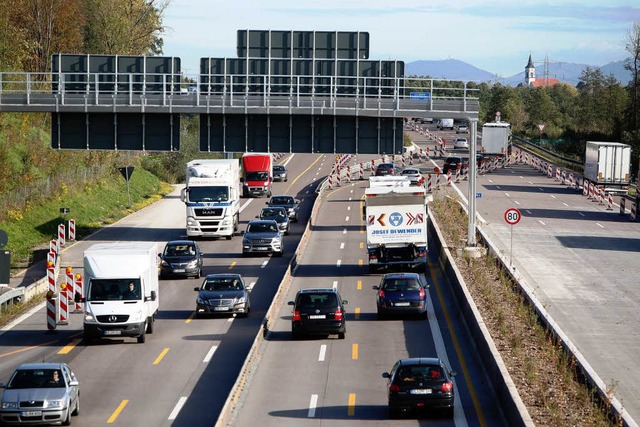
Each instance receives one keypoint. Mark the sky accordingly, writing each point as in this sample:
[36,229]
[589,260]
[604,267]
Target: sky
[496,36]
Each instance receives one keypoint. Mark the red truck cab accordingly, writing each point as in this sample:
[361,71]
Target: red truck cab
[257,174]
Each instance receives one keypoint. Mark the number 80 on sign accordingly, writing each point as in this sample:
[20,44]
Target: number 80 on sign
[512,216]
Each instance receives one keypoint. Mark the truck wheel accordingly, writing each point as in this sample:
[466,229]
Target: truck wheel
[88,340]
[142,338]
[150,324]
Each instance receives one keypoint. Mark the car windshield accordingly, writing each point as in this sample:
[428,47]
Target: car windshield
[179,250]
[257,176]
[409,172]
[36,378]
[401,285]
[222,284]
[278,168]
[273,213]
[317,300]
[114,289]
[413,373]
[261,228]
[282,201]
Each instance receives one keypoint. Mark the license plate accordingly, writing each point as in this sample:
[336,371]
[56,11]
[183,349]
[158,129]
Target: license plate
[262,249]
[112,332]
[403,304]
[31,413]
[221,308]
[317,316]
[179,270]
[421,391]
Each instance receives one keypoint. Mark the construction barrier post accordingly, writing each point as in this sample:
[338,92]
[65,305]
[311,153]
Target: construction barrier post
[633,211]
[72,229]
[61,234]
[622,207]
[51,311]
[610,202]
[78,290]
[63,304]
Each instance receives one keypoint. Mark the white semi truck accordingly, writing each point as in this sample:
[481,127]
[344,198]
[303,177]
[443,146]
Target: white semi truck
[121,290]
[496,138]
[395,215]
[212,198]
[608,164]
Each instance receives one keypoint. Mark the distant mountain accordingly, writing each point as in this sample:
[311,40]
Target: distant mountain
[454,69]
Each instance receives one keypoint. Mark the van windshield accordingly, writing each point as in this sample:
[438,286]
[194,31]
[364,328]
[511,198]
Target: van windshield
[257,176]
[114,289]
[209,194]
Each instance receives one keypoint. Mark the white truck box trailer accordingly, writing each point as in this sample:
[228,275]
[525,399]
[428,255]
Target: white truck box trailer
[121,290]
[608,164]
[496,138]
[212,198]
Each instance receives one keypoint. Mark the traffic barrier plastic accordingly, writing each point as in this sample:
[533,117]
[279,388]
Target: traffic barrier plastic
[622,207]
[72,229]
[557,174]
[633,211]
[550,171]
[61,234]
[571,181]
[348,173]
[458,169]
[564,176]
[53,248]
[591,191]
[429,182]
[449,178]
[78,290]
[63,304]
[585,188]
[610,202]
[51,312]
[361,172]
[51,276]
[482,167]
[601,195]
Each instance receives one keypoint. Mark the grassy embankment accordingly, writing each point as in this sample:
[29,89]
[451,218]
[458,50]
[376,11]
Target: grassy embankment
[546,378]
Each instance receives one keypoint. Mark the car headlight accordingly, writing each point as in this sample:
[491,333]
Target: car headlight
[191,221]
[193,264]
[246,184]
[276,240]
[9,405]
[88,318]
[241,300]
[201,301]
[226,222]
[55,404]
[164,263]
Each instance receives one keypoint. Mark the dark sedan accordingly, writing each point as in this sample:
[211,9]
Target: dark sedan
[451,164]
[279,215]
[280,173]
[318,311]
[291,204]
[401,293]
[181,258]
[385,169]
[421,383]
[223,294]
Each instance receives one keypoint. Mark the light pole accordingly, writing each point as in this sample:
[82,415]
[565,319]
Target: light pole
[471,233]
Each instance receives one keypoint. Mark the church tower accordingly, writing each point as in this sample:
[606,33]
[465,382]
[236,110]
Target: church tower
[529,73]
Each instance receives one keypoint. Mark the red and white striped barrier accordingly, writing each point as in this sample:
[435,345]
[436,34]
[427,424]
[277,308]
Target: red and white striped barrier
[61,234]
[633,211]
[51,277]
[78,290]
[601,195]
[458,169]
[348,173]
[53,248]
[51,312]
[361,172]
[63,304]
[72,229]
[610,202]
[623,210]
[482,167]
[429,182]
[338,179]
[564,176]
[449,178]
[550,171]
[571,181]
[585,188]
[557,174]
[591,191]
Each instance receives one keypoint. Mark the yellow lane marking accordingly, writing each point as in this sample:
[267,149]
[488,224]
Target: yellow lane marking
[67,348]
[190,318]
[359,287]
[115,414]
[357,313]
[161,355]
[456,345]
[354,351]
[302,173]
[361,245]
[352,405]
[233,264]
[360,263]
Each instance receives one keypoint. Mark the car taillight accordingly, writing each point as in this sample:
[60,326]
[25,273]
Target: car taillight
[381,294]
[421,293]
[447,387]
[296,315]
[338,314]
[394,388]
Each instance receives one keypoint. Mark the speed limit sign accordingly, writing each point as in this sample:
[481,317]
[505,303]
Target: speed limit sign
[512,216]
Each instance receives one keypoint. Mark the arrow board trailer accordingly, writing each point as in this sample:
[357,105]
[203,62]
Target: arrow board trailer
[212,198]
[396,223]
[121,290]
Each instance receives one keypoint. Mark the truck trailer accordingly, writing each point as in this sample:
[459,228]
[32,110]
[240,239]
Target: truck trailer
[257,174]
[395,215]
[496,138]
[608,164]
[212,198]
[121,290]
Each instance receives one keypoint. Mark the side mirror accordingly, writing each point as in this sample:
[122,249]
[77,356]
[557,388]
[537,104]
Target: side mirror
[74,383]
[291,303]
[77,297]
[257,216]
[386,375]
[152,297]
[375,287]
[345,302]
[242,232]
[197,289]
[297,202]
[453,373]
[249,288]
[183,195]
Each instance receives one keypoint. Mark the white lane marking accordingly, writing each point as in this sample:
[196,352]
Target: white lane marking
[230,319]
[342,245]
[541,222]
[252,284]
[306,192]
[497,187]
[320,168]
[530,182]
[599,225]
[352,190]
[521,177]
[209,355]
[565,204]
[529,212]
[441,350]
[516,202]
[314,178]
[317,173]
[580,213]
[553,196]
[344,231]
[339,263]
[348,208]
[312,406]
[541,189]
[323,352]
[264,264]
[490,181]
[245,204]
[335,284]
[288,160]
[346,219]
[506,194]
[349,198]
[176,409]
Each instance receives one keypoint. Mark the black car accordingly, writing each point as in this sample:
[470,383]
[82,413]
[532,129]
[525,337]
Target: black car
[421,383]
[291,204]
[385,169]
[279,215]
[223,294]
[318,311]
[181,258]
[451,164]
[280,173]
[401,293]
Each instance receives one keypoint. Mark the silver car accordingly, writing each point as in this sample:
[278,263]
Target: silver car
[40,394]
[414,175]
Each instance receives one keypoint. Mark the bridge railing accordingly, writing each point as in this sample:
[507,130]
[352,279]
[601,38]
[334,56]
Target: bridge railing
[132,89]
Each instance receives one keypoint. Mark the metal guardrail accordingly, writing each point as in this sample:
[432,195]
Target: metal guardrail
[528,143]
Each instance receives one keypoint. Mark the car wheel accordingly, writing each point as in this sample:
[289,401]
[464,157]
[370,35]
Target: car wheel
[142,338]
[448,412]
[229,237]
[279,254]
[341,335]
[88,340]
[76,411]
[244,254]
[150,324]
[295,335]
[394,413]
[380,314]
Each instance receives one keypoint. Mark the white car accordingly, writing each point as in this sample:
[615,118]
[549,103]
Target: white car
[414,175]
[460,143]
[462,129]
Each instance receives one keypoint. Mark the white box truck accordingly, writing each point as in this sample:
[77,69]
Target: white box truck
[496,138]
[395,215]
[445,124]
[608,164]
[121,290]
[212,198]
